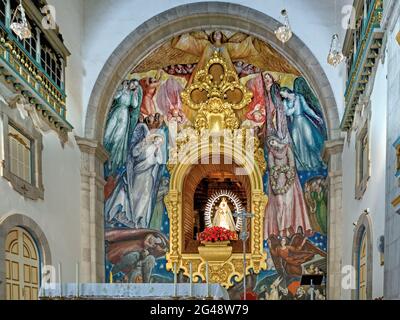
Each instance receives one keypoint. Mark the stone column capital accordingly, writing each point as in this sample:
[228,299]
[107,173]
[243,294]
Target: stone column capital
[92,147]
[332,147]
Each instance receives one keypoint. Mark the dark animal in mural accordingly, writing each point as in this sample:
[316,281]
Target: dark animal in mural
[289,254]
[134,252]
[316,196]
[306,125]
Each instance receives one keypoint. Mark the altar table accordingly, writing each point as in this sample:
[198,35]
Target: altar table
[130,291]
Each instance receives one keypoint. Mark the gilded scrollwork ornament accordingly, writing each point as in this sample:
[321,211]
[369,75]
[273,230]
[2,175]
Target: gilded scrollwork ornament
[216,93]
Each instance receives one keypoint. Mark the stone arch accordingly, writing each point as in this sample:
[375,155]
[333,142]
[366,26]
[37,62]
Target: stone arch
[10,222]
[197,16]
[363,228]
[150,35]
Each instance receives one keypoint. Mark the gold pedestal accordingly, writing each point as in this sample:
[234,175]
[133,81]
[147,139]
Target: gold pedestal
[215,252]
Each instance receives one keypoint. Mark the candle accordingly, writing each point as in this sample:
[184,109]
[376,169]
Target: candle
[60,278]
[77,279]
[175,281]
[191,279]
[208,280]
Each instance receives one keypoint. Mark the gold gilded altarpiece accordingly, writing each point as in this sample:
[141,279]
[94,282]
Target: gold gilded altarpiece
[216,95]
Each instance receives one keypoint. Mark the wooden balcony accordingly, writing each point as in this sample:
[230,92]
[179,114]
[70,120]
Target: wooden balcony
[364,61]
[23,74]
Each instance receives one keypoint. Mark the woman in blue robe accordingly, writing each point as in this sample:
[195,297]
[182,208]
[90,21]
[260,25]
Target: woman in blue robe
[121,122]
[118,205]
[306,129]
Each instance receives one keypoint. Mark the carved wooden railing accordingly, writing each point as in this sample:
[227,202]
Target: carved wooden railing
[27,77]
[364,61]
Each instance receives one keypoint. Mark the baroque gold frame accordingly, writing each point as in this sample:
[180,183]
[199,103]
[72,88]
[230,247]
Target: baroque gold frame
[233,268]
[214,108]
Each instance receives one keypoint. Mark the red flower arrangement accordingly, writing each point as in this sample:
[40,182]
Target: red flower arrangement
[216,234]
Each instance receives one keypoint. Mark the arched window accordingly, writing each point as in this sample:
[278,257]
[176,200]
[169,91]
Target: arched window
[22,266]
[362,268]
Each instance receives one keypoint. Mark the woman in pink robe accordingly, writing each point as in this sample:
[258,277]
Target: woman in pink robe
[286,210]
[256,109]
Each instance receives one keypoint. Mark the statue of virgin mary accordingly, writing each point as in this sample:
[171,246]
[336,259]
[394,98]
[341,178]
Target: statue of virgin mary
[223,216]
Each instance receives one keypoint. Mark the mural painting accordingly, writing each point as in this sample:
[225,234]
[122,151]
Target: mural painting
[144,119]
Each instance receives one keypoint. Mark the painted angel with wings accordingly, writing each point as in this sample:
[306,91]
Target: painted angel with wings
[194,48]
[182,56]
[203,46]
[289,254]
[306,125]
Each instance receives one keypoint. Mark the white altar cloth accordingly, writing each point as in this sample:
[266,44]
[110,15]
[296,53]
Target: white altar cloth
[131,291]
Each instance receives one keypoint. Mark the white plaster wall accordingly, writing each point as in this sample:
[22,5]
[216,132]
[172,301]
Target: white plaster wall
[108,22]
[58,215]
[392,232]
[374,197]
[69,17]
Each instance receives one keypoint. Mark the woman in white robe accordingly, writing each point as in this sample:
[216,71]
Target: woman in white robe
[147,157]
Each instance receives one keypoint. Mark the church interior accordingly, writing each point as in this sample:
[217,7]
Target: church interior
[194,150]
